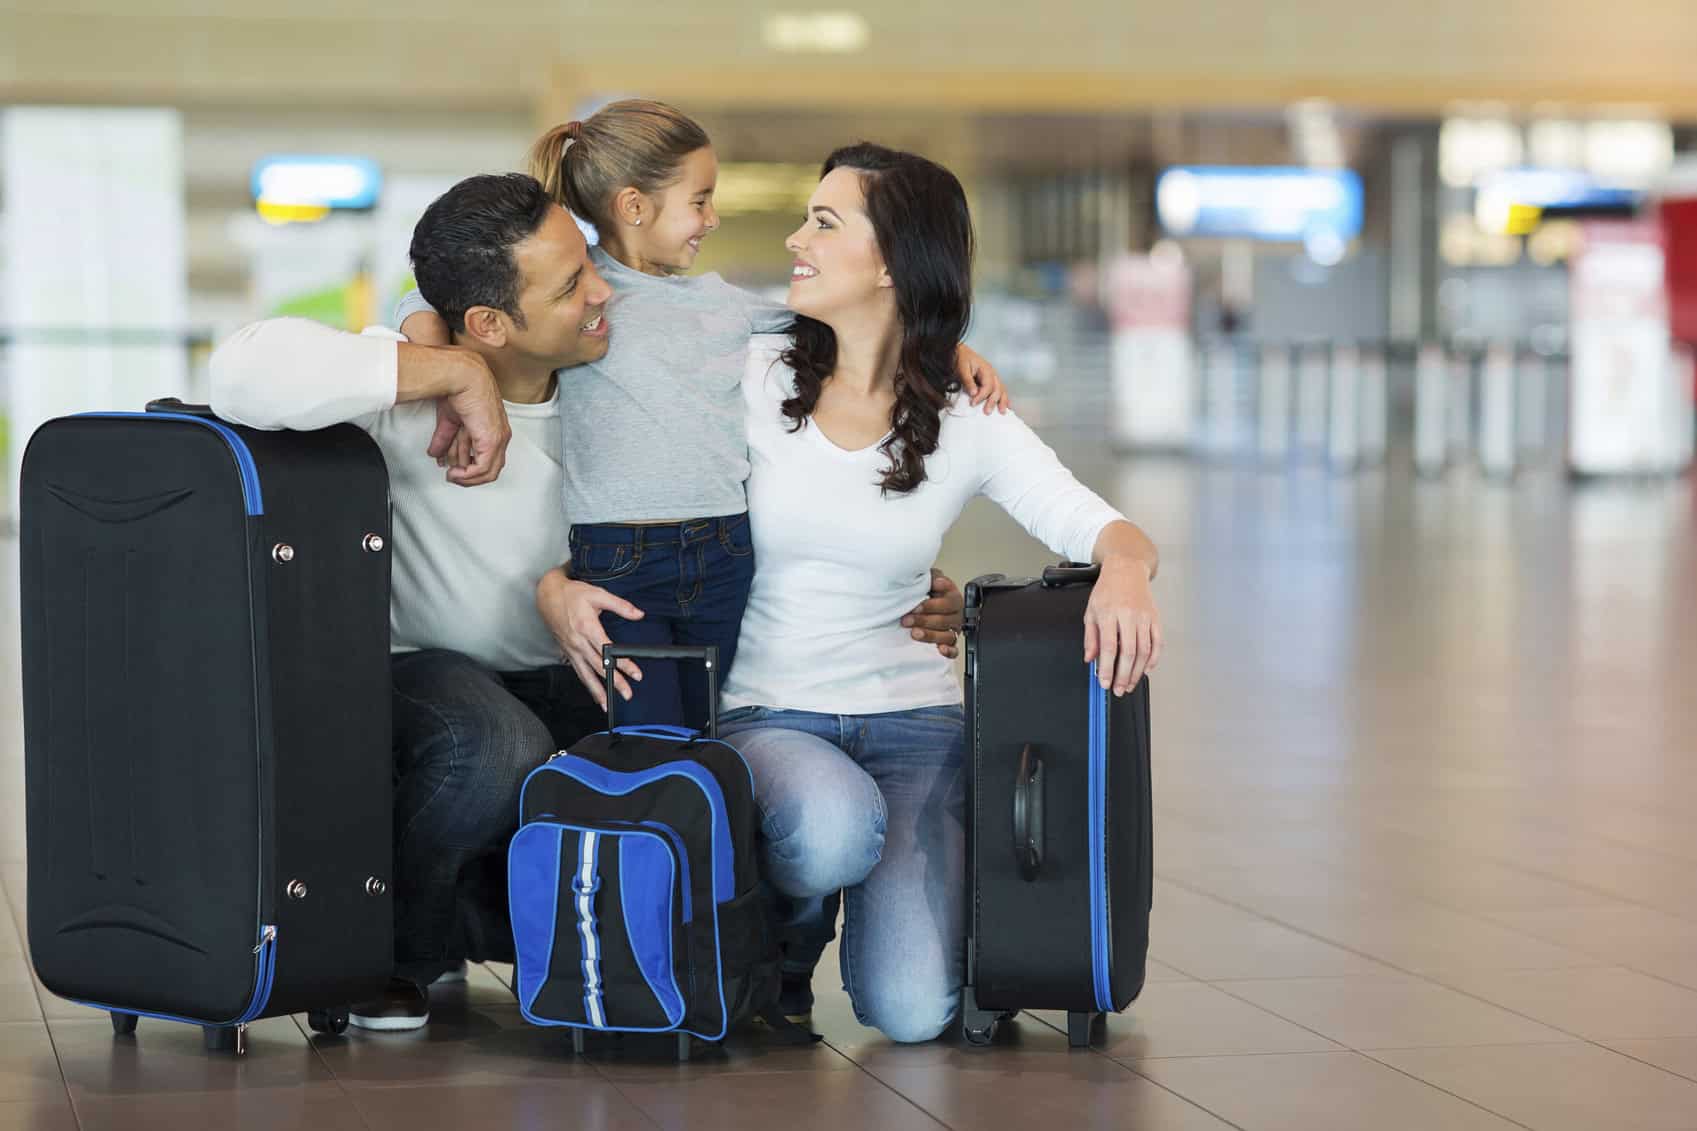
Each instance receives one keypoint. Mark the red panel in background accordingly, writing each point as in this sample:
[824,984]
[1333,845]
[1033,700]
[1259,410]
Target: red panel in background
[1679,235]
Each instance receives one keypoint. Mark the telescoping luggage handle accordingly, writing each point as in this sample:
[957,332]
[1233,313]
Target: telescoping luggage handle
[708,654]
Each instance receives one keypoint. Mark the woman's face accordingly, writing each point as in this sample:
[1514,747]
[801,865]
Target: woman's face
[837,267]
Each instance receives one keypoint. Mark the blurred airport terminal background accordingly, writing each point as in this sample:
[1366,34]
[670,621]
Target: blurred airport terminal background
[1258,231]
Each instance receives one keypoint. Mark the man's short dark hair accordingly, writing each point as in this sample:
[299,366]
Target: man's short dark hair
[462,247]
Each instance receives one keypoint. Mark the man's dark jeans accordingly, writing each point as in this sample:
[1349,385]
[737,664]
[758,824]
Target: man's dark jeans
[465,738]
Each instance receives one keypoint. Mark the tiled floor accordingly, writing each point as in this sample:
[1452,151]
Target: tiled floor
[1426,858]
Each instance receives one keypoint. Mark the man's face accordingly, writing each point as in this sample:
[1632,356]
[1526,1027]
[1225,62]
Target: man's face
[562,296]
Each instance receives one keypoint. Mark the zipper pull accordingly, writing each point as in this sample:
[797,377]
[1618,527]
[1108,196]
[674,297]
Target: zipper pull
[266,935]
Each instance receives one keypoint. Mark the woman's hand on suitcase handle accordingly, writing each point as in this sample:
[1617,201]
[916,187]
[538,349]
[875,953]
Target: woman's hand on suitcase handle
[937,619]
[572,611]
[1122,626]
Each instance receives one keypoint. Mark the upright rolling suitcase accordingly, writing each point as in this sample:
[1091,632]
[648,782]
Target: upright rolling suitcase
[205,622]
[1059,848]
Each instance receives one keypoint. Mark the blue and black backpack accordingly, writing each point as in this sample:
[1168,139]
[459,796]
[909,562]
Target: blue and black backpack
[633,883]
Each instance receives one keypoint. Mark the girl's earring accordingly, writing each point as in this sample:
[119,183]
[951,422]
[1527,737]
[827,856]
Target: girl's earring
[637,221]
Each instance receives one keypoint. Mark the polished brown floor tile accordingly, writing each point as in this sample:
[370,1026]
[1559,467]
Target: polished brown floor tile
[823,1101]
[1573,1087]
[1177,1019]
[1342,1091]
[29,1070]
[1256,949]
[165,1057]
[1672,1054]
[1376,1013]
[18,1003]
[1160,972]
[1615,933]
[472,1047]
[1598,1004]
[45,1116]
[580,1104]
[640,1058]
[321,1107]
[991,1089]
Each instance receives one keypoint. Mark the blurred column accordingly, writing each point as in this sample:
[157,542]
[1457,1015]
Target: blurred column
[1678,437]
[1458,402]
[1431,389]
[95,284]
[1532,404]
[1311,378]
[1374,407]
[1497,412]
[1343,433]
[1273,403]
[1414,236]
[1221,427]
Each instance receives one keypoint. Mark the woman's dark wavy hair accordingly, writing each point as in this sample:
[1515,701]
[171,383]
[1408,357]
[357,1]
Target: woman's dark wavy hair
[919,214]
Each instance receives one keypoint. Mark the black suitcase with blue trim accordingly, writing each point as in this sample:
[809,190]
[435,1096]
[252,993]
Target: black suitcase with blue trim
[205,618]
[633,883]
[1059,814]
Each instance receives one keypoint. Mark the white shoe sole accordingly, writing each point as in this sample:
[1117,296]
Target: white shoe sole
[388,1024]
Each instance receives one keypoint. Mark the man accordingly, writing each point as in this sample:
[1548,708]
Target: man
[480,694]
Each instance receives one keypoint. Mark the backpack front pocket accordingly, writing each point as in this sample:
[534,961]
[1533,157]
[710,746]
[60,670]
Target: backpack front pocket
[598,917]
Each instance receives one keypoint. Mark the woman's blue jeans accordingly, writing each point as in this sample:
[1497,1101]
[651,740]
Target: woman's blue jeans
[871,806]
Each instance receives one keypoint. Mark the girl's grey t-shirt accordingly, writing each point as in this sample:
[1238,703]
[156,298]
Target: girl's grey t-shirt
[654,430]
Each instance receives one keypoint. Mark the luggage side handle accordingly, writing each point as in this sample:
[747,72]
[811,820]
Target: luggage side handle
[1028,814]
[708,654]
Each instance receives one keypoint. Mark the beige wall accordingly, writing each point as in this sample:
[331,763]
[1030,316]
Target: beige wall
[1059,54]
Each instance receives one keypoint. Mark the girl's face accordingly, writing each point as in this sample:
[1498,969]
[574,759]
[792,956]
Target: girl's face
[680,216]
[837,263]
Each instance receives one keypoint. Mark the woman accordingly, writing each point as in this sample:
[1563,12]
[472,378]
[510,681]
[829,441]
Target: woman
[863,456]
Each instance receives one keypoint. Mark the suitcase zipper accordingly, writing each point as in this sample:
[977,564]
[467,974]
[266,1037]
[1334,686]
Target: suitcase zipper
[252,495]
[264,974]
[1098,843]
[266,951]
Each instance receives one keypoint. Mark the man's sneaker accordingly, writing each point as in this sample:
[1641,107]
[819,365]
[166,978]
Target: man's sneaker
[453,976]
[403,1006]
[795,998]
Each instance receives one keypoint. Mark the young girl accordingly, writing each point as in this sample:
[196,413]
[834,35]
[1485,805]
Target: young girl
[654,445]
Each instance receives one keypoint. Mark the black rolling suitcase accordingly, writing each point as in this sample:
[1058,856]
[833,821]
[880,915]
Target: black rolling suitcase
[205,615]
[1059,847]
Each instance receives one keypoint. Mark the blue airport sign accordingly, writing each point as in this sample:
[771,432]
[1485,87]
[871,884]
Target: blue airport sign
[1274,203]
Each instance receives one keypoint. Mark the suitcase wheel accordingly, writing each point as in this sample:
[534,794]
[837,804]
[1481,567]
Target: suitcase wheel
[124,1024]
[982,1034]
[224,1038]
[331,1021]
[1079,1026]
